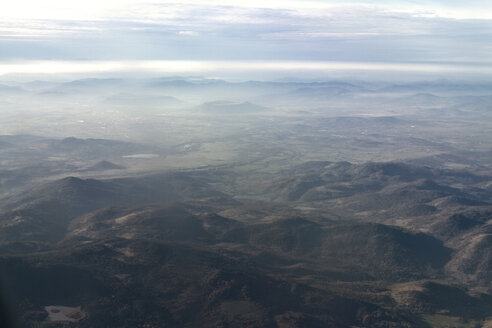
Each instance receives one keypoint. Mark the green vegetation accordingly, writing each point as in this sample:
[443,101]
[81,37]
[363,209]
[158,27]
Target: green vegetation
[283,207]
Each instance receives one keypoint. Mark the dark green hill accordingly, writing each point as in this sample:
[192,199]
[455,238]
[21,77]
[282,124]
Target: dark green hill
[377,250]
[384,251]
[472,261]
[296,237]
[434,297]
[162,284]
[380,190]
[172,250]
[44,213]
[165,222]
[459,223]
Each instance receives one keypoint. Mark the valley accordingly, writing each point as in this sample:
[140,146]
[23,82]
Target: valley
[322,204]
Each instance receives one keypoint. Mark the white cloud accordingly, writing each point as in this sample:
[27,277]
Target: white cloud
[188,33]
[181,66]
[134,9]
[379,30]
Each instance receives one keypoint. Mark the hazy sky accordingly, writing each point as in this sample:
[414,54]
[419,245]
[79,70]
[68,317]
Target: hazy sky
[413,32]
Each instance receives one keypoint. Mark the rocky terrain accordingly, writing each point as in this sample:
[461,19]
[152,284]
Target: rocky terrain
[336,244]
[251,204]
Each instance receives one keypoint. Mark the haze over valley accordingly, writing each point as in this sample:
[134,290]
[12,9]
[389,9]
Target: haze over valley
[297,164]
[373,198]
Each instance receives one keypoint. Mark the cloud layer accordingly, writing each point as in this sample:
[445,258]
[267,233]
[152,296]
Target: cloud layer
[357,31]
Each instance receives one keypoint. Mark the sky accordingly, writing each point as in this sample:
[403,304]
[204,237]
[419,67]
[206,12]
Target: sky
[64,35]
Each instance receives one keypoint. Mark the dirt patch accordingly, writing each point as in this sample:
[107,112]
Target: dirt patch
[64,313]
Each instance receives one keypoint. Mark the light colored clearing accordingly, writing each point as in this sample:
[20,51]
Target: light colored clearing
[402,222]
[444,321]
[132,216]
[128,252]
[305,208]
[252,197]
[126,218]
[64,313]
[128,235]
[144,156]
[456,166]
[122,276]
[12,223]
[487,323]
[401,292]
[413,286]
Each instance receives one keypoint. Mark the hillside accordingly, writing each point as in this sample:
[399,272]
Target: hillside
[177,248]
